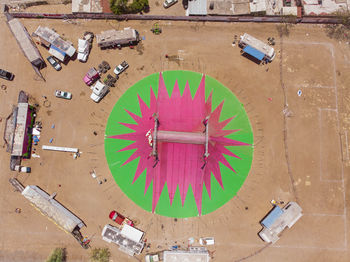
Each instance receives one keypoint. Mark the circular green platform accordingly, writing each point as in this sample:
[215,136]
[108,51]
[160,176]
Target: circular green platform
[124,174]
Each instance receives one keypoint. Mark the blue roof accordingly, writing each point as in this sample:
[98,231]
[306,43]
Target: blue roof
[272,216]
[253,52]
[57,49]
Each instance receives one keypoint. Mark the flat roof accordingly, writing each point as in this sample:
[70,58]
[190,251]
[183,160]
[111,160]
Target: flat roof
[54,39]
[113,234]
[52,209]
[132,233]
[86,6]
[20,129]
[24,40]
[114,35]
[185,256]
[275,213]
[257,44]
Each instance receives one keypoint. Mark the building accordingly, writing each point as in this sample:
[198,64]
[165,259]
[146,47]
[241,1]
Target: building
[26,43]
[198,254]
[112,38]
[89,6]
[324,7]
[128,238]
[278,219]
[57,46]
[17,135]
[256,48]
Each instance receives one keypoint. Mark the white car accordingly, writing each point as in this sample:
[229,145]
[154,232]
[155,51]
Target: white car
[168,3]
[83,50]
[99,90]
[62,94]
[120,68]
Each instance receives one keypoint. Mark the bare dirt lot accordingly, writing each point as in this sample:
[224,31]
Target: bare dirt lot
[301,142]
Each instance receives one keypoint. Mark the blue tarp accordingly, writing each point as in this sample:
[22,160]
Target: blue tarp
[253,52]
[272,216]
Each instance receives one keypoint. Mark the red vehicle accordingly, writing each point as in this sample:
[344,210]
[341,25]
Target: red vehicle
[120,219]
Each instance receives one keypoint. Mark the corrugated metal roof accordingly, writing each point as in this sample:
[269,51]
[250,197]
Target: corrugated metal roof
[253,52]
[52,209]
[275,213]
[24,40]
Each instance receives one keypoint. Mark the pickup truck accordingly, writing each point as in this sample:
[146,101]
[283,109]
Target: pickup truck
[91,76]
[121,68]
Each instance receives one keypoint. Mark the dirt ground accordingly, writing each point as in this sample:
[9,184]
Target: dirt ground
[301,142]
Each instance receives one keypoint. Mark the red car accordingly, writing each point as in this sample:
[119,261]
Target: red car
[120,219]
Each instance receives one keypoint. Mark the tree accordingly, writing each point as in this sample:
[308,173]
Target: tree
[58,255]
[119,7]
[100,255]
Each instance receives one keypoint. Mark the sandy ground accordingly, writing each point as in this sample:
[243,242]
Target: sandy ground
[303,157]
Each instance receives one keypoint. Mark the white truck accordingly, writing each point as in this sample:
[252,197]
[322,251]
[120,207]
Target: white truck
[83,50]
[23,169]
[99,90]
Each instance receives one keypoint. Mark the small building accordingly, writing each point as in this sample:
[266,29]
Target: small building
[87,6]
[57,213]
[278,219]
[26,43]
[197,254]
[256,48]
[17,135]
[57,46]
[114,38]
[128,238]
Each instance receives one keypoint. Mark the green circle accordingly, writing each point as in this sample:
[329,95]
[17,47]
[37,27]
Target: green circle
[124,174]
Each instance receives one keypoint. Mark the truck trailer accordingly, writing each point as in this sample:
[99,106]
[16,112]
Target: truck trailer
[114,38]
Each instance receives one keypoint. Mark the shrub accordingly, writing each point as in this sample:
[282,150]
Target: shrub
[100,255]
[58,255]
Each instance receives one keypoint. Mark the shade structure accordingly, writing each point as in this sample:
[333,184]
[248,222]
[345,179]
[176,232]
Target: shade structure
[180,181]
[253,52]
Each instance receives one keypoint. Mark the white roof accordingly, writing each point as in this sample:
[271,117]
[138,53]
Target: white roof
[290,10]
[257,44]
[86,6]
[132,233]
[20,131]
[185,256]
[52,209]
[257,6]
[56,54]
[197,7]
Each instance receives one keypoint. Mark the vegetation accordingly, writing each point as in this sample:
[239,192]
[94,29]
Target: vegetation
[119,7]
[100,255]
[340,31]
[58,255]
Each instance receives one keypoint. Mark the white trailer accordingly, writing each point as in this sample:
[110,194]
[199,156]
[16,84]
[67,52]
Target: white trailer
[247,40]
[114,38]
[59,148]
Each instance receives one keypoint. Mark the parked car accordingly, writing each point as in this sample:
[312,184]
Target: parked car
[54,63]
[62,94]
[83,50]
[120,68]
[6,75]
[155,257]
[120,219]
[168,3]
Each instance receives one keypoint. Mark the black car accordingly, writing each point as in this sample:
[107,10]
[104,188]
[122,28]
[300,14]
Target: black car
[6,75]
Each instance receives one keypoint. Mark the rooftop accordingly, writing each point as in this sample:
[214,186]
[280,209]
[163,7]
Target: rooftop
[51,208]
[55,39]
[87,6]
